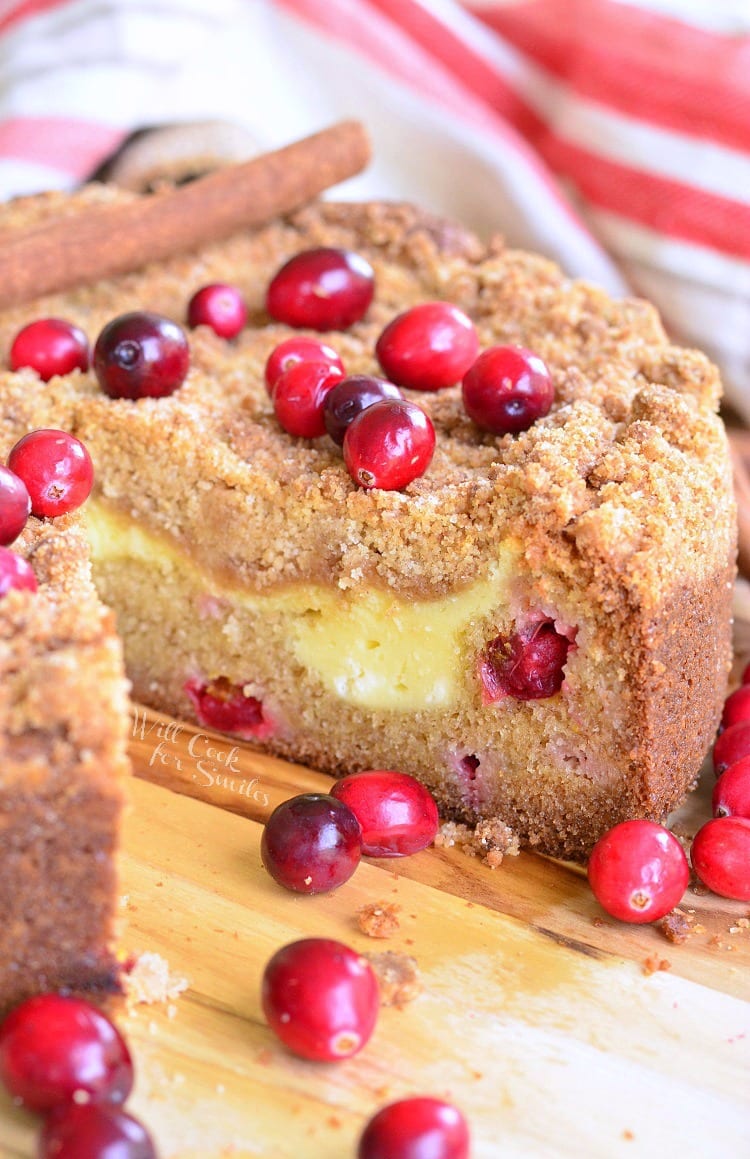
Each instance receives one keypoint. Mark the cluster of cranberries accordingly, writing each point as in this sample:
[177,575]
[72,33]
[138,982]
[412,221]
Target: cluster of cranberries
[319,996]
[387,440]
[62,1058]
[48,473]
[638,870]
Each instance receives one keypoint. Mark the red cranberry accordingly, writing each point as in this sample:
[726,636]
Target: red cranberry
[94,1131]
[428,347]
[746,674]
[15,506]
[417,1128]
[721,856]
[736,707]
[311,843]
[323,289]
[141,355]
[299,395]
[731,795]
[16,574]
[221,705]
[50,346]
[389,444]
[350,397]
[638,871]
[528,665]
[57,471]
[731,745]
[53,1048]
[320,998]
[219,306]
[507,389]
[396,814]
[298,349]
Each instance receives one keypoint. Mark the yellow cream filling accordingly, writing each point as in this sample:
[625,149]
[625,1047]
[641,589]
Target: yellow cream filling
[369,647]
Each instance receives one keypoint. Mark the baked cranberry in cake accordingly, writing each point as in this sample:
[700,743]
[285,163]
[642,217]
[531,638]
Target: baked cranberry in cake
[56,469]
[299,348]
[15,506]
[349,397]
[323,289]
[50,346]
[507,389]
[389,444]
[219,306]
[428,347]
[224,706]
[141,355]
[528,665]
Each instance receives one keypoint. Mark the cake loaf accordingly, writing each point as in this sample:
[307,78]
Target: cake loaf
[63,768]
[257,589]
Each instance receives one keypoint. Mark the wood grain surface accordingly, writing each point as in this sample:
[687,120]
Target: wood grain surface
[538,1015]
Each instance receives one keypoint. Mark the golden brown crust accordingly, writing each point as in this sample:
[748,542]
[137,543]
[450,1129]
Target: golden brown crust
[619,501]
[63,729]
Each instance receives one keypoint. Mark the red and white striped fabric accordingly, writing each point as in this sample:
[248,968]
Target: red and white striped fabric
[612,135]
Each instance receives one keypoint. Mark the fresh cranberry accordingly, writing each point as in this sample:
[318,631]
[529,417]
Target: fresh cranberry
[731,795]
[298,349]
[54,1048]
[320,998]
[638,871]
[299,396]
[141,355]
[731,745]
[417,1128]
[507,389]
[736,707]
[350,397]
[323,289]
[50,346]
[57,471]
[721,856]
[94,1131]
[746,674]
[15,506]
[528,665]
[219,306]
[396,813]
[16,574]
[224,706]
[311,843]
[389,444]
[428,347]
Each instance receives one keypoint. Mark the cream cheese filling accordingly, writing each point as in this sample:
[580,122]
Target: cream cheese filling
[369,647]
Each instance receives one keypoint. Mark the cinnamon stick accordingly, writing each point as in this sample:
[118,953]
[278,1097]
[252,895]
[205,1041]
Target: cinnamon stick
[116,239]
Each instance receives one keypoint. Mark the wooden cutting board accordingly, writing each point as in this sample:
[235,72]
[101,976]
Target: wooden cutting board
[543,1019]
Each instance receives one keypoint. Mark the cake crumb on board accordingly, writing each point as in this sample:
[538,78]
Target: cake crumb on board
[490,840]
[149,980]
[398,977]
[379,919]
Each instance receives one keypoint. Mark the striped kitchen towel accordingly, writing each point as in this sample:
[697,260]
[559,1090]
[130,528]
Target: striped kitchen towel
[611,135]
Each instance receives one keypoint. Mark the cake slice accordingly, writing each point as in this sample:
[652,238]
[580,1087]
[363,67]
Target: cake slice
[258,590]
[63,766]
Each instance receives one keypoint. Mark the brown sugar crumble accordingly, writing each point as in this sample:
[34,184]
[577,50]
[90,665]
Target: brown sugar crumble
[677,926]
[398,977]
[653,964]
[491,840]
[379,919]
